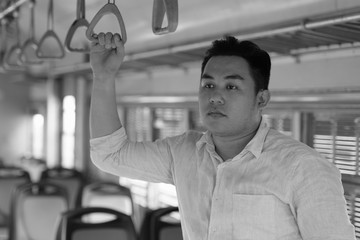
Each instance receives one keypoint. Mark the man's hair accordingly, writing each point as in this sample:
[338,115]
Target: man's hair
[258,59]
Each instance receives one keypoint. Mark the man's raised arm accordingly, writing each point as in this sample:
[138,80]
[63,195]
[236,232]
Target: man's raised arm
[106,55]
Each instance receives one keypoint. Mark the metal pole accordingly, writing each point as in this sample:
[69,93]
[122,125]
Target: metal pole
[12,8]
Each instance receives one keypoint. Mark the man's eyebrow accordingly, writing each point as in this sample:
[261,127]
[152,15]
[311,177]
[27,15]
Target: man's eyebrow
[205,75]
[234,76]
[228,77]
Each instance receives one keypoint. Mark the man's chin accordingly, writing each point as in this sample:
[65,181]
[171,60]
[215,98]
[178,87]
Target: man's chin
[216,128]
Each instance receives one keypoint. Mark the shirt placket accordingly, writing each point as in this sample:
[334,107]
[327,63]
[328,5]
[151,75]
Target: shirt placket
[218,226]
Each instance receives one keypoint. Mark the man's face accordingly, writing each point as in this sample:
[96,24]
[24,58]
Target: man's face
[227,100]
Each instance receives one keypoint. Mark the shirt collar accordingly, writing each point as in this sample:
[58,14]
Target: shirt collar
[255,146]
[205,139]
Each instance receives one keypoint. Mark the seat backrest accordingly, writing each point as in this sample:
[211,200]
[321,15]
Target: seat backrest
[36,210]
[10,179]
[74,226]
[108,195]
[71,179]
[164,226]
[161,224]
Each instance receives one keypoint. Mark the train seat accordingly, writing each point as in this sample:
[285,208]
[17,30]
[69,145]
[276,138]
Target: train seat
[162,224]
[10,179]
[75,226]
[71,179]
[36,210]
[109,195]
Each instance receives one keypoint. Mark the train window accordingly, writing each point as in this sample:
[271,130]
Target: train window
[281,121]
[143,124]
[68,132]
[352,198]
[138,123]
[139,190]
[38,136]
[336,136]
[170,122]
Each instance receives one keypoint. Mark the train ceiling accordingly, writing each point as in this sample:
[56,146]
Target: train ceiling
[283,27]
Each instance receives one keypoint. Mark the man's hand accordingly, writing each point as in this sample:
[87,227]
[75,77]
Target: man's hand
[106,54]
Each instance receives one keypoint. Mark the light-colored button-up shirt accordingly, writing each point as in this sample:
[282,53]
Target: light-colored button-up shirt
[275,189]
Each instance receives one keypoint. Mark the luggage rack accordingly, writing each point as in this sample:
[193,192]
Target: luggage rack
[309,36]
[301,38]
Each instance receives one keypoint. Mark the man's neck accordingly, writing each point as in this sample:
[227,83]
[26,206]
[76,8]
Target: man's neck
[229,146]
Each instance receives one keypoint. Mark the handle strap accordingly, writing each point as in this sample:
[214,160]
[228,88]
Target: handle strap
[50,22]
[12,57]
[32,19]
[3,34]
[28,49]
[160,7]
[43,55]
[79,22]
[50,34]
[80,13]
[3,39]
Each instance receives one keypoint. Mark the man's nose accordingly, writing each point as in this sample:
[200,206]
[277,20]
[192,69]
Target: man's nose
[216,99]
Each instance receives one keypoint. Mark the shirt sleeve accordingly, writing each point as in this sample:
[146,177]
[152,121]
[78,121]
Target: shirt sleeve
[319,201]
[148,161]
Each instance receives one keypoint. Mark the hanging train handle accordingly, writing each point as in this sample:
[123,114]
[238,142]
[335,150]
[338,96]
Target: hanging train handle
[30,43]
[160,7]
[79,22]
[3,39]
[11,59]
[107,9]
[50,34]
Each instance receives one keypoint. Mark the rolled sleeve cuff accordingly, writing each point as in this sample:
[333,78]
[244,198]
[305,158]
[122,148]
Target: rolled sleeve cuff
[110,143]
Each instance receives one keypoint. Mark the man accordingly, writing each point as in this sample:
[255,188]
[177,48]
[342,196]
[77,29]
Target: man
[239,180]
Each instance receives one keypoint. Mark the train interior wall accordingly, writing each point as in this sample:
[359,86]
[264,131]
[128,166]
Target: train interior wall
[20,97]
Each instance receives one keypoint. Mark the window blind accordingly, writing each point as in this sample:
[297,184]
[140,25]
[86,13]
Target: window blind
[280,121]
[138,128]
[145,124]
[352,197]
[336,137]
[169,122]
[138,124]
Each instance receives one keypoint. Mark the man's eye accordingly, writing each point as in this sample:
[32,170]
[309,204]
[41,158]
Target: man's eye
[231,87]
[209,85]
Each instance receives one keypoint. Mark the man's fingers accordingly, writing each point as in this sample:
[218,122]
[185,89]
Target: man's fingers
[95,38]
[101,38]
[108,40]
[117,40]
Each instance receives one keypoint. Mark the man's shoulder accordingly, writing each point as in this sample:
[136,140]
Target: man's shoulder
[190,137]
[287,146]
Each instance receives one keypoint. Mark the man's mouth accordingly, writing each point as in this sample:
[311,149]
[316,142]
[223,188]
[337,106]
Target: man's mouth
[216,114]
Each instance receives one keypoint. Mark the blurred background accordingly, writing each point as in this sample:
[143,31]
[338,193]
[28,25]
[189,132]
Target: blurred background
[44,102]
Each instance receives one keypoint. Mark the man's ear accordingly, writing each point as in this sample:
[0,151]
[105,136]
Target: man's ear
[263,97]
